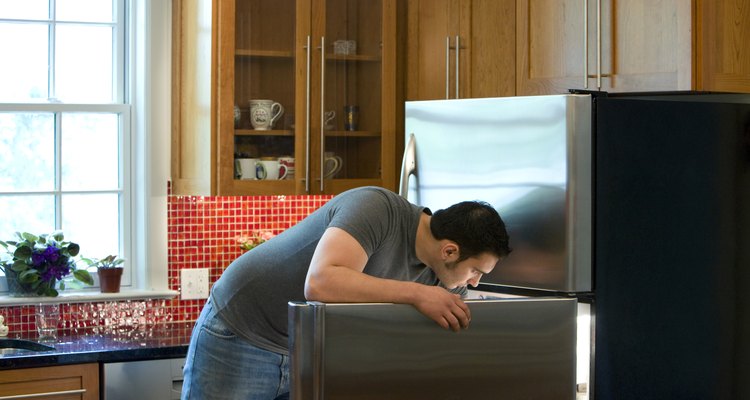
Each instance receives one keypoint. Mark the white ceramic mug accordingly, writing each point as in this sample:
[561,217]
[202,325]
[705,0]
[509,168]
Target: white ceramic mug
[289,163]
[269,169]
[245,168]
[331,164]
[265,113]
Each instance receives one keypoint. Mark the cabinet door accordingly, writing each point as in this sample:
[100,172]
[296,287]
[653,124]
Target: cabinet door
[78,381]
[353,102]
[433,26]
[550,53]
[629,45]
[646,45]
[193,161]
[489,57]
[724,62]
[461,49]
[256,110]
[313,59]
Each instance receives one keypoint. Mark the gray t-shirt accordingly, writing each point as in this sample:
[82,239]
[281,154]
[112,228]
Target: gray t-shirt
[252,294]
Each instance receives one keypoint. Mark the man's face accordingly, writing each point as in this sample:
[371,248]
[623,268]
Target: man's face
[467,272]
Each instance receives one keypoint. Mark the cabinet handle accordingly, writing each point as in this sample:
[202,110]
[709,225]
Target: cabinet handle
[322,106]
[46,394]
[585,44]
[458,50]
[307,120]
[447,67]
[598,44]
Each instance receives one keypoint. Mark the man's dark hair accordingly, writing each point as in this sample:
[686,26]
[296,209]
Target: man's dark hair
[475,226]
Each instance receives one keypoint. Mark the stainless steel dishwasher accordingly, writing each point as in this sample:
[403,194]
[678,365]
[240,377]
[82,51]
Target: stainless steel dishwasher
[143,380]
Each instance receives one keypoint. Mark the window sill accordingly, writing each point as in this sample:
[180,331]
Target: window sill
[89,297]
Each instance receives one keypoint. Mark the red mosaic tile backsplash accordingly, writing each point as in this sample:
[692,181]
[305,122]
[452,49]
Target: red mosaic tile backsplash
[202,232]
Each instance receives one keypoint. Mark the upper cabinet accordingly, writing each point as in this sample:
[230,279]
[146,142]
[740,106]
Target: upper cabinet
[724,45]
[616,46]
[460,49]
[305,96]
[193,156]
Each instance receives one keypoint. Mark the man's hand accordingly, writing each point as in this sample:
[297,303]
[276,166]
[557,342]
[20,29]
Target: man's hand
[443,307]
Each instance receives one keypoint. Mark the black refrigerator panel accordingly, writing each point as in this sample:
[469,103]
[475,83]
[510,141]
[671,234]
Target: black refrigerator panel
[672,248]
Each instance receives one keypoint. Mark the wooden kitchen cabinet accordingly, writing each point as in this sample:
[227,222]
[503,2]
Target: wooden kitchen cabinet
[77,381]
[284,50]
[616,46]
[193,146]
[460,49]
[724,45]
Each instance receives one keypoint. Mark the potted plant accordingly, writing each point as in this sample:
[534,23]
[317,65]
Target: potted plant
[109,270]
[252,240]
[39,265]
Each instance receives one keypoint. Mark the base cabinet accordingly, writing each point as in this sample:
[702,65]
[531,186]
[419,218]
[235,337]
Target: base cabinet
[77,381]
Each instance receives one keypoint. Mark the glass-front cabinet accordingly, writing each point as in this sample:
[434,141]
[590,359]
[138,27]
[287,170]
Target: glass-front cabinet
[305,96]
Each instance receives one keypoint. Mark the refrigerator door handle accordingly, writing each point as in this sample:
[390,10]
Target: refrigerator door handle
[307,117]
[458,62]
[306,339]
[322,109]
[447,67]
[585,44]
[408,165]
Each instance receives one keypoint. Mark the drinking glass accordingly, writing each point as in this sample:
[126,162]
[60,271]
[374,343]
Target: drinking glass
[47,320]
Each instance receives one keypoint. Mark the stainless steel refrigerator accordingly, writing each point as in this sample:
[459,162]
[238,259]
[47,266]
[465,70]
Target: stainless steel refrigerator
[634,205]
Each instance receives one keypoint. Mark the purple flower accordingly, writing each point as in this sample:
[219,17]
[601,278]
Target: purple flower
[51,253]
[37,258]
[47,275]
[55,272]
[47,256]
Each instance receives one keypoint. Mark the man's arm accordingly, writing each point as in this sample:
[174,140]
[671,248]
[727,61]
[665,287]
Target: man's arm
[335,275]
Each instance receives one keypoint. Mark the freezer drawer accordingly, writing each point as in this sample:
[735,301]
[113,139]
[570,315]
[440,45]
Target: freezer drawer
[514,348]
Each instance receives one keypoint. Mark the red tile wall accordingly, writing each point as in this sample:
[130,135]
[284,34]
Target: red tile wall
[202,233]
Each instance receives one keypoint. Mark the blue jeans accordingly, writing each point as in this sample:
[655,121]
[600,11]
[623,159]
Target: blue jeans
[220,365]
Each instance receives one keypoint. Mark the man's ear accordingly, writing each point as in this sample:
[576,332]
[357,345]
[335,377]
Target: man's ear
[450,251]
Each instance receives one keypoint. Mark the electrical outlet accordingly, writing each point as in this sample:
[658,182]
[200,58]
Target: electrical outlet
[194,283]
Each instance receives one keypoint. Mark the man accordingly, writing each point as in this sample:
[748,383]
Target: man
[365,245]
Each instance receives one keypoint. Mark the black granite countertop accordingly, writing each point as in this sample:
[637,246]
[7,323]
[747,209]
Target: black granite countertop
[170,341]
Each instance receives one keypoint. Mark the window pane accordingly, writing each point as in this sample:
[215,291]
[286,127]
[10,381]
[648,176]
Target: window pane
[26,9]
[84,10]
[91,220]
[90,149]
[83,71]
[23,69]
[27,151]
[34,214]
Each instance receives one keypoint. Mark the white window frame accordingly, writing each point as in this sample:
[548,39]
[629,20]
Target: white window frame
[148,86]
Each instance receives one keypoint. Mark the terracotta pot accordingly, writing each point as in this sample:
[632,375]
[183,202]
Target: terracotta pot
[109,279]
